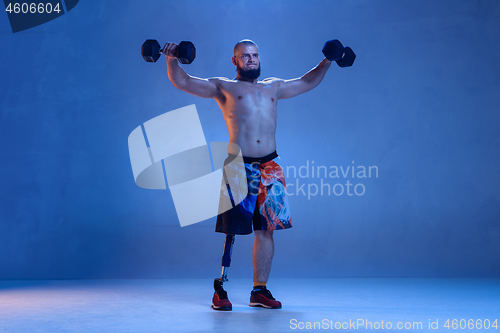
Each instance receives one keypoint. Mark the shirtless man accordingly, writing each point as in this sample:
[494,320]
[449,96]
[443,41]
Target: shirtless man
[249,107]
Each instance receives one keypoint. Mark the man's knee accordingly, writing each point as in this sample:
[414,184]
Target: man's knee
[264,234]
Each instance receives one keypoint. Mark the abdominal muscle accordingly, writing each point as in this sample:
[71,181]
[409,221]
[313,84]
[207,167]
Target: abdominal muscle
[254,136]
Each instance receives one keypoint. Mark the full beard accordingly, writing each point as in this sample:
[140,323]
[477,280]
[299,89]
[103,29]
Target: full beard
[250,74]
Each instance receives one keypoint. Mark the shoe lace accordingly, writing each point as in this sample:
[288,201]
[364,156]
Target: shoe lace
[269,295]
[266,293]
[222,294]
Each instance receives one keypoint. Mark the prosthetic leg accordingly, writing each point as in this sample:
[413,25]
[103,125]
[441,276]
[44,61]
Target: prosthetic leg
[226,261]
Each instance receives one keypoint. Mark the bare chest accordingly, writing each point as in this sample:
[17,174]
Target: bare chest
[250,94]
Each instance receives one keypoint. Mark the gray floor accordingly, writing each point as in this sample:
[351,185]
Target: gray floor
[184,305]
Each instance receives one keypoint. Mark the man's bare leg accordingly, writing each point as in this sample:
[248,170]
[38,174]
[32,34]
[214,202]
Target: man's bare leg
[263,252]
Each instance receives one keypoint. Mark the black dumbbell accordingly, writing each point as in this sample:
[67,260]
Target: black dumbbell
[335,51]
[151,51]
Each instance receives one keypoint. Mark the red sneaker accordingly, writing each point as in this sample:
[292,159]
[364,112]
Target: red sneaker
[263,297]
[220,301]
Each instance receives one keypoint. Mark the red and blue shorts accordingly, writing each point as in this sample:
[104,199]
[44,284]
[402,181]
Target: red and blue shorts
[265,206]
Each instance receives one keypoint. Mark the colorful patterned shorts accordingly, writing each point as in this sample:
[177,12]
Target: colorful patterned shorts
[266,204]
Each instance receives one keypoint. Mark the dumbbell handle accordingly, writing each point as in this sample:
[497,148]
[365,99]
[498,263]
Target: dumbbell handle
[175,53]
[161,51]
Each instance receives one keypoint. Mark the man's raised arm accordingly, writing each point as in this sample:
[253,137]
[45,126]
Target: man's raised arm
[308,81]
[181,80]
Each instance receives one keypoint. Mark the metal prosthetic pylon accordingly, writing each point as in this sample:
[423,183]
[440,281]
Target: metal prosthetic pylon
[226,261]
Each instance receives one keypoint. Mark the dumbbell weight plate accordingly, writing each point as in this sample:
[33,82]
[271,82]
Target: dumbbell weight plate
[348,58]
[150,50]
[186,52]
[333,50]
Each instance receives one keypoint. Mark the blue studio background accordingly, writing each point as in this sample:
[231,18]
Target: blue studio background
[421,103]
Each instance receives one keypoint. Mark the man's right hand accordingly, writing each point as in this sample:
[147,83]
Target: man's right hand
[170,50]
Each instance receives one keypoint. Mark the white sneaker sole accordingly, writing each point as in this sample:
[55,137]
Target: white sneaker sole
[221,308]
[263,305]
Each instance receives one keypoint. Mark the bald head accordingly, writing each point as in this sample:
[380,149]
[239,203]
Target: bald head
[243,42]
